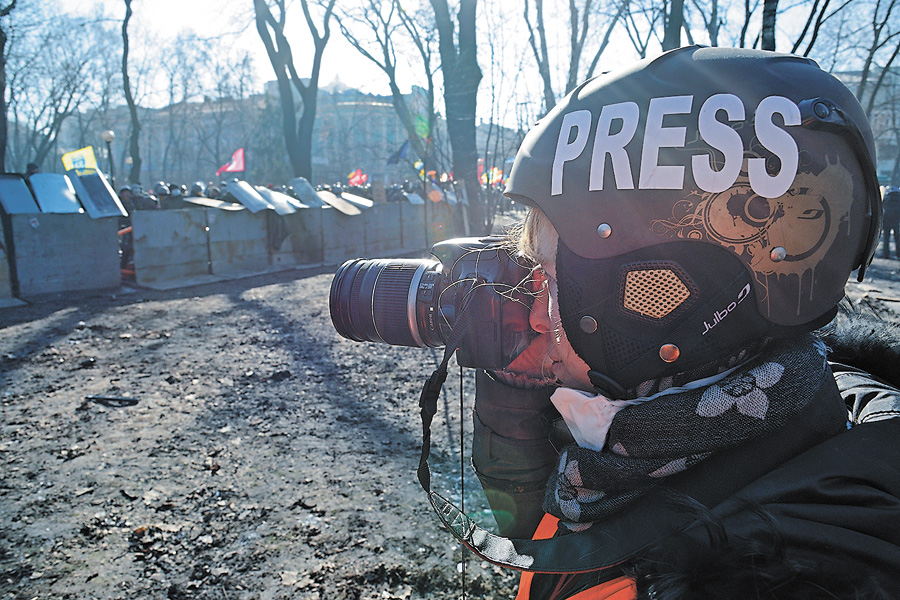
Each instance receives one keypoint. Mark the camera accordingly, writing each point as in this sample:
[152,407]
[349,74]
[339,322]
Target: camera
[418,302]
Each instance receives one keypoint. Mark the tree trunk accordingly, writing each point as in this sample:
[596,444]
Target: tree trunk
[305,125]
[675,22]
[537,39]
[298,133]
[767,36]
[4,11]
[462,76]
[134,143]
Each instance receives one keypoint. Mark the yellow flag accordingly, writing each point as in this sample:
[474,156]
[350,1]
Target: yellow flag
[81,160]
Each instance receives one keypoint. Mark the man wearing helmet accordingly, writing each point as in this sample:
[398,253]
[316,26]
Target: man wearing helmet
[693,219]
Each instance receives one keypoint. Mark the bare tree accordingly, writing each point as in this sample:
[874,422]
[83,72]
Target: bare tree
[580,32]
[226,116]
[462,75]
[712,21]
[385,24]
[134,139]
[46,86]
[674,25]
[641,22]
[4,12]
[537,39]
[298,133]
[884,29]
[767,34]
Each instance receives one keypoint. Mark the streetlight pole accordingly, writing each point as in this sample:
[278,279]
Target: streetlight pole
[108,136]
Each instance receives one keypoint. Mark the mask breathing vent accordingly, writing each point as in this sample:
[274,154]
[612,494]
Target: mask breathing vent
[655,290]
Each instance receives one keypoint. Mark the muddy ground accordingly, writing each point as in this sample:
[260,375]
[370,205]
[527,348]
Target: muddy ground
[224,442]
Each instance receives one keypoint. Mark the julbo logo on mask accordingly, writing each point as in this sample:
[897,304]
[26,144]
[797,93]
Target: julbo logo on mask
[717,134]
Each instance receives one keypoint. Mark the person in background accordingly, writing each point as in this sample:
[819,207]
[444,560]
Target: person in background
[126,196]
[891,225]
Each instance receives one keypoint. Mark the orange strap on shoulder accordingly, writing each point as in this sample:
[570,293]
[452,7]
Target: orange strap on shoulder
[545,530]
[621,588]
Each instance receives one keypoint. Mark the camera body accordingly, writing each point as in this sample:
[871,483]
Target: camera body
[418,302]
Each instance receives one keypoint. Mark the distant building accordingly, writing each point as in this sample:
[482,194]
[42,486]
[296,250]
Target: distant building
[884,117]
[188,141]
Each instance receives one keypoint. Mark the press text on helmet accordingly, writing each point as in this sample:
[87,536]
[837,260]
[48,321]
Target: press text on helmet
[575,132]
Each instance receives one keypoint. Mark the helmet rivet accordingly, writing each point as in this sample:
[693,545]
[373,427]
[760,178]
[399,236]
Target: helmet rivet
[588,324]
[604,230]
[669,352]
[821,109]
[778,254]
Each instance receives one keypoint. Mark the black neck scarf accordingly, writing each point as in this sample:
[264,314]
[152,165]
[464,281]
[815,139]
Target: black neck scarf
[651,441]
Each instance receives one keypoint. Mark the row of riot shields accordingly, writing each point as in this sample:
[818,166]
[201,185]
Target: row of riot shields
[86,191]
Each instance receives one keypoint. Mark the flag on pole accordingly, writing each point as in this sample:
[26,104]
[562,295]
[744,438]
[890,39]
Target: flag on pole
[394,158]
[234,165]
[81,159]
[357,178]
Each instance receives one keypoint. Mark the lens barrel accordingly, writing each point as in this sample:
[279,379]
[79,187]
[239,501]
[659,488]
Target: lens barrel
[393,301]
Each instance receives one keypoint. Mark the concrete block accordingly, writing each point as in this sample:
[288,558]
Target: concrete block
[170,245]
[6,292]
[280,245]
[412,219]
[238,242]
[441,218]
[344,236]
[65,252]
[305,229]
[384,231]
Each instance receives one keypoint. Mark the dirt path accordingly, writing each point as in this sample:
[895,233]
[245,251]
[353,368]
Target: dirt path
[243,450]
[264,457]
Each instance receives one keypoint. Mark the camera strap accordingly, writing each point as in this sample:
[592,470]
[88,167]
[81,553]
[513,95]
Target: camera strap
[623,536]
[431,391]
[552,555]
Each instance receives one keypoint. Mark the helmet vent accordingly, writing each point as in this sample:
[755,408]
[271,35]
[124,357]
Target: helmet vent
[654,293]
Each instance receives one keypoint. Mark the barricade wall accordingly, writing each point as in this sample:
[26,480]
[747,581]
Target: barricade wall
[305,231]
[441,218]
[62,252]
[6,292]
[170,245]
[344,237]
[384,231]
[65,252]
[238,242]
[412,218]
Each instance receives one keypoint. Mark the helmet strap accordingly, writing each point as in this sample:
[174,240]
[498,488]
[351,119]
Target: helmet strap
[607,386]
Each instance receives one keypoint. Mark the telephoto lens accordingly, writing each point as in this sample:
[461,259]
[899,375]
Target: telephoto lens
[387,300]
[417,302]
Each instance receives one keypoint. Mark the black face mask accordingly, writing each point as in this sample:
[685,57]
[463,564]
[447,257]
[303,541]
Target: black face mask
[619,313]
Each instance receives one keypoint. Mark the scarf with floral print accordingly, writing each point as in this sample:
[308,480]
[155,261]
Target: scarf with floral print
[648,442]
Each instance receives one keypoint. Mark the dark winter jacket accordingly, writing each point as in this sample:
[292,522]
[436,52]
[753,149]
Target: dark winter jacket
[810,511]
[891,207]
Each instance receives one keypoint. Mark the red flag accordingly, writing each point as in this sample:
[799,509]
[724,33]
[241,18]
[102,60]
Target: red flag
[357,177]
[235,164]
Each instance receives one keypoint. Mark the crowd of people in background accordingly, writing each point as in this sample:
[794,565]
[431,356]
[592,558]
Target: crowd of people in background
[163,195]
[171,195]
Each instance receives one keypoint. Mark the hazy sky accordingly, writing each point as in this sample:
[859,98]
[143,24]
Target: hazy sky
[234,18]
